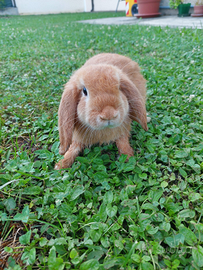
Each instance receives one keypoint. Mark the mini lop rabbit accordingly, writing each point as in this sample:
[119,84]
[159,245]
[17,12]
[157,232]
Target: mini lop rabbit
[98,104]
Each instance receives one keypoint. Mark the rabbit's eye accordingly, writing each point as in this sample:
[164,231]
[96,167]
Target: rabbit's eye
[84,90]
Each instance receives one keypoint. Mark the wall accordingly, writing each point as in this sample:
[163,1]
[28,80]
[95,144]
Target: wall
[65,6]
[49,6]
[105,5]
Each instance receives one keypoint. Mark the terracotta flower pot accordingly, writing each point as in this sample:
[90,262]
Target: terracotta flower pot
[198,11]
[148,8]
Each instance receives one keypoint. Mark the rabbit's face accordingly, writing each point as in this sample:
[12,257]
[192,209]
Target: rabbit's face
[102,104]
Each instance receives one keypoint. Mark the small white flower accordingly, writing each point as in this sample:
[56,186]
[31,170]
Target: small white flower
[191,97]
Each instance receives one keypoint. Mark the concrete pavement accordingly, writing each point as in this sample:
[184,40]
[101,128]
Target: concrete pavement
[170,21]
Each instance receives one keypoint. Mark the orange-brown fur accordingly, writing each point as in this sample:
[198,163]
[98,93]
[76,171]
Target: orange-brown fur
[116,96]
[128,67]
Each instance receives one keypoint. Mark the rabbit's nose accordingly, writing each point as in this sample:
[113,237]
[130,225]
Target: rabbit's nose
[107,118]
[108,114]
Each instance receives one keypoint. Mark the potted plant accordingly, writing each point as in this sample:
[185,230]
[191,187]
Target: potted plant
[2,4]
[148,8]
[198,9]
[183,8]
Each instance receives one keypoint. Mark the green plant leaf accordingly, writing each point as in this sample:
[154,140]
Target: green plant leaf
[8,249]
[43,242]
[175,240]
[105,242]
[32,190]
[53,261]
[119,244]
[197,254]
[136,258]
[182,172]
[95,235]
[181,154]
[90,264]
[73,253]
[175,264]
[24,216]
[111,210]
[25,238]
[186,213]
[77,191]
[108,197]
[190,237]
[193,165]
[146,266]
[165,226]
[10,204]
[29,257]
[109,263]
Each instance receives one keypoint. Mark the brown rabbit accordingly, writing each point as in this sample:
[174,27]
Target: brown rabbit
[98,104]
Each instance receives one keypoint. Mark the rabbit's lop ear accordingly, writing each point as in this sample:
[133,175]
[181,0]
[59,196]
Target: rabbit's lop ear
[136,101]
[67,116]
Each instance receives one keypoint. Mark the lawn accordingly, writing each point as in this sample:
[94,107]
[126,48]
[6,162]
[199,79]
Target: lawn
[103,212]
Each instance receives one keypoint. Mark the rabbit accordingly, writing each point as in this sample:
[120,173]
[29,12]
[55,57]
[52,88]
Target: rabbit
[98,105]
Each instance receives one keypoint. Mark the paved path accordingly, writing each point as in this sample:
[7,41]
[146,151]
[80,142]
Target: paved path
[171,21]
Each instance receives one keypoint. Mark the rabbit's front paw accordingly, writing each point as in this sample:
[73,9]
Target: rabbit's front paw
[63,164]
[62,150]
[58,166]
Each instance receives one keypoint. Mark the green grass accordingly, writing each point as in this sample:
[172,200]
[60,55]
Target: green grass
[102,213]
